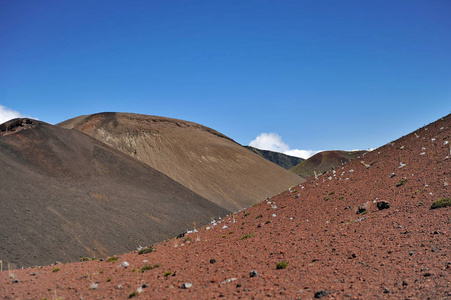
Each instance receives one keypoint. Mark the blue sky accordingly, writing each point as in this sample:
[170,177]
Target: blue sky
[316,74]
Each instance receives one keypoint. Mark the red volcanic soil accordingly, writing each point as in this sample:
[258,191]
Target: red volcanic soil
[402,252]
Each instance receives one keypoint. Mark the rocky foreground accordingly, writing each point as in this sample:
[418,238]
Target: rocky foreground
[362,231]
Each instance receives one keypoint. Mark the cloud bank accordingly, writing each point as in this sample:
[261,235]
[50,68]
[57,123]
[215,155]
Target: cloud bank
[7,114]
[274,142]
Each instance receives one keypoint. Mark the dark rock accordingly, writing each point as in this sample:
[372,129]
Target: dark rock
[386,290]
[212,261]
[181,235]
[253,273]
[383,205]
[347,207]
[321,293]
[392,175]
[15,281]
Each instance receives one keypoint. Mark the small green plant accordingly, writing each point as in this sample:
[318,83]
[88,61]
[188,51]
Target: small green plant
[246,236]
[331,193]
[267,222]
[341,197]
[281,265]
[85,259]
[246,214]
[401,182]
[108,279]
[101,272]
[224,236]
[148,267]
[55,270]
[326,198]
[146,250]
[167,273]
[441,203]
[112,259]
[259,216]
[133,294]
[188,239]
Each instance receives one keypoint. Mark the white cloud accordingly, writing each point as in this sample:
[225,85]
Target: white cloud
[7,114]
[274,142]
[269,141]
[301,153]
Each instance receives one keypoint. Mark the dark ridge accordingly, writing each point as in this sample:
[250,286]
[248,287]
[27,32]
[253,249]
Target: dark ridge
[283,160]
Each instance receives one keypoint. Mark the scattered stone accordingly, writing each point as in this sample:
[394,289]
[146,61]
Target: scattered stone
[383,205]
[392,175]
[228,280]
[362,208]
[123,264]
[386,291]
[212,261]
[321,293]
[347,207]
[427,274]
[187,285]
[253,273]
[238,285]
[16,281]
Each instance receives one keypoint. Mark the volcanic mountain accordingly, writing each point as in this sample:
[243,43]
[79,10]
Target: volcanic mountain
[65,195]
[324,161]
[283,160]
[198,157]
[361,231]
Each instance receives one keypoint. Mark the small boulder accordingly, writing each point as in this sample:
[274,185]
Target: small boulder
[383,205]
[187,285]
[321,293]
[253,273]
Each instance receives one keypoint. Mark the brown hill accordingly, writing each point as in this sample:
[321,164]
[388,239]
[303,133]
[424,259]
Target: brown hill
[283,160]
[304,243]
[324,161]
[200,158]
[65,195]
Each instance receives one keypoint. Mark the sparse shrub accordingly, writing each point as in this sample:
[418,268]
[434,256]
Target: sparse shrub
[133,294]
[441,203]
[326,198]
[101,272]
[188,239]
[108,279]
[112,259]
[246,236]
[85,259]
[259,216]
[331,193]
[267,222]
[341,197]
[401,182]
[55,270]
[167,273]
[224,235]
[146,250]
[281,265]
[246,214]
[148,267]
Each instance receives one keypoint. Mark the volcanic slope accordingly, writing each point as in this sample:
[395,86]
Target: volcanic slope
[283,160]
[324,161]
[65,195]
[203,160]
[401,252]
